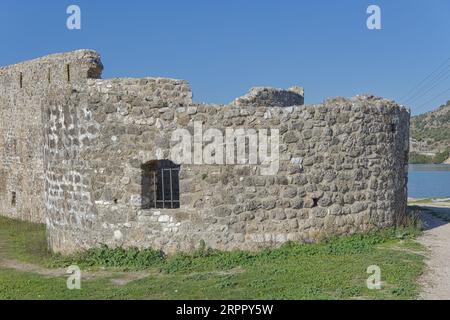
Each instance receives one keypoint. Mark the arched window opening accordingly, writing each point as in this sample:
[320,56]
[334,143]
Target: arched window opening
[161,185]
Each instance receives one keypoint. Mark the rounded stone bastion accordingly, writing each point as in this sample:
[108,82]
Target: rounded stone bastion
[137,163]
[341,168]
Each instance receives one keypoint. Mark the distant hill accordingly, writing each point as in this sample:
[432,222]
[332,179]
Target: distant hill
[430,136]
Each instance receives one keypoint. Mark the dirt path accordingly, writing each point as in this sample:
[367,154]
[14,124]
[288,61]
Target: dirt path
[436,238]
[116,277]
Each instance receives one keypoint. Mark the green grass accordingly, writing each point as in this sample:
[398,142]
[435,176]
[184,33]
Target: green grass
[335,269]
[24,241]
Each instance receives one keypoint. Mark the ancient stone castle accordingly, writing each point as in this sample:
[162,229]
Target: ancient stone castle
[91,159]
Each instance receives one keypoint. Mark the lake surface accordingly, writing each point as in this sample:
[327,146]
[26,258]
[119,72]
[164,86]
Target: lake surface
[429,181]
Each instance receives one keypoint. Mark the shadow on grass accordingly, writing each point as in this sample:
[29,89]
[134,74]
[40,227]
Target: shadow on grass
[431,217]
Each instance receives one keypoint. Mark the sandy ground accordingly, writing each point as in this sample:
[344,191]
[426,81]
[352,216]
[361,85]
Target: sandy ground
[436,238]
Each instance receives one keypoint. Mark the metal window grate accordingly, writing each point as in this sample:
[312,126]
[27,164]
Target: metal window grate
[161,185]
[166,193]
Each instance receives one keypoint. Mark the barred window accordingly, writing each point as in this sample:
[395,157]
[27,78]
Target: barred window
[161,184]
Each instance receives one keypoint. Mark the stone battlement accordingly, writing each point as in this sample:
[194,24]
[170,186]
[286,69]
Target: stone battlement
[54,70]
[272,97]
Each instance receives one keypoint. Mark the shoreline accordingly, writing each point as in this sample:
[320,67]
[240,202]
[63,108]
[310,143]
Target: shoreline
[431,202]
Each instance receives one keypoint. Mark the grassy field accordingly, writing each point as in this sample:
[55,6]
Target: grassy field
[335,269]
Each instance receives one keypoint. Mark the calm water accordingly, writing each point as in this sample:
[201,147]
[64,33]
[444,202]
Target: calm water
[429,181]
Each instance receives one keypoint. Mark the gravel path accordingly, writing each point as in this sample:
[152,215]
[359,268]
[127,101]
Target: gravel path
[436,238]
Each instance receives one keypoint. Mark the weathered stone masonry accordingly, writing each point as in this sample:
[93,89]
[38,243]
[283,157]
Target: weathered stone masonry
[73,148]
[25,89]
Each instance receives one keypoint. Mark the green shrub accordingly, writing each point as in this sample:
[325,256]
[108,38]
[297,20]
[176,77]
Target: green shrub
[417,158]
[130,258]
[206,259]
[441,157]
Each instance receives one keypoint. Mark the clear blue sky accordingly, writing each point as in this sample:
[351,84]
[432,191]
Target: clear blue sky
[225,47]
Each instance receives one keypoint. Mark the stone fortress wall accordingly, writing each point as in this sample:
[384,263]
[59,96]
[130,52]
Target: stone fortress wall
[80,144]
[24,90]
